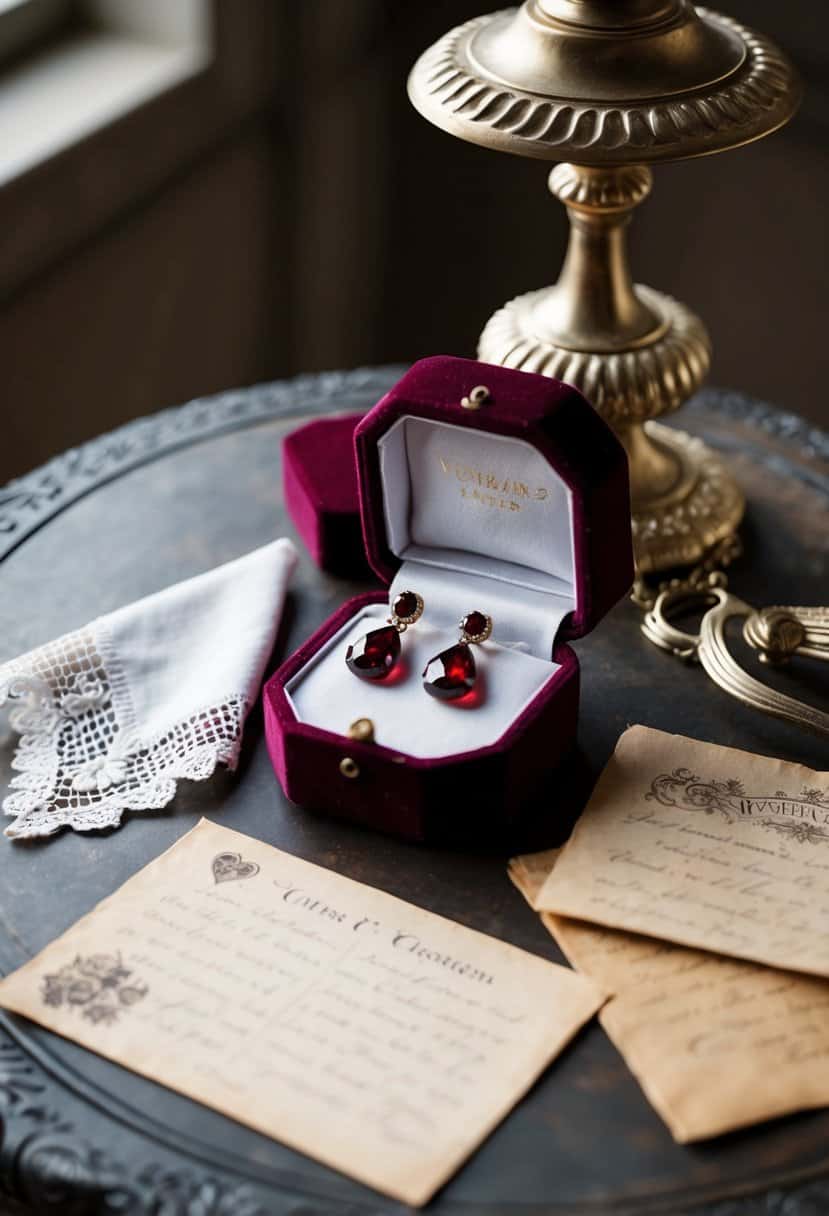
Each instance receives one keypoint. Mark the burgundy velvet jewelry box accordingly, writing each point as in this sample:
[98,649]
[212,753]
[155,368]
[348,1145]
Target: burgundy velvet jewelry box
[518,509]
[319,481]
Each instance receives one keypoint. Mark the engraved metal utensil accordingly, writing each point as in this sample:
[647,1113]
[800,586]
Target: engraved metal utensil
[776,633]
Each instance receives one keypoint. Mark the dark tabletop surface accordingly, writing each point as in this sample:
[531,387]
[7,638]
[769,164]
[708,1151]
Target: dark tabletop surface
[172,495]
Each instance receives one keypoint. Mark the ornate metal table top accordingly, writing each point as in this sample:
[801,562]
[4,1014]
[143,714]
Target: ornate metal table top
[171,495]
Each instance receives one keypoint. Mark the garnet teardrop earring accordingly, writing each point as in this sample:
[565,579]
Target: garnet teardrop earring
[452,673]
[374,656]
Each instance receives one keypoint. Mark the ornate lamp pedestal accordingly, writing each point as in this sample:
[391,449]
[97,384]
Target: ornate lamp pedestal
[609,86]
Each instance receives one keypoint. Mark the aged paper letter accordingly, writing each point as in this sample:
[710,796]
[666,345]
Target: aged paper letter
[715,1043]
[380,1039]
[705,846]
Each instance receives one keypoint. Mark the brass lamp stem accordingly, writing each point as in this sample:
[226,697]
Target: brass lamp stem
[595,305]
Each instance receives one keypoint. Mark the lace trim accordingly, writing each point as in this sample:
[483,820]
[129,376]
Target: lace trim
[80,761]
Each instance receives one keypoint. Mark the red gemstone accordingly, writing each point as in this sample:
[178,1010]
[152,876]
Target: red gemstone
[405,605]
[451,673]
[474,624]
[372,657]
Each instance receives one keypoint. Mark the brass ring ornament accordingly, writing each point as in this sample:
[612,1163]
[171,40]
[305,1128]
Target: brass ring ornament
[778,633]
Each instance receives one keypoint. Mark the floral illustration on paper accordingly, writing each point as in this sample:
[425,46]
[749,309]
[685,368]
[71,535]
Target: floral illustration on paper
[802,817]
[97,984]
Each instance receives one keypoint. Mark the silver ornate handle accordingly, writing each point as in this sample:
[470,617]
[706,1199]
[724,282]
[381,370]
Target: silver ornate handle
[777,633]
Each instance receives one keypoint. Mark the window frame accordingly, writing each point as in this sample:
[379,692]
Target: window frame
[25,23]
[55,205]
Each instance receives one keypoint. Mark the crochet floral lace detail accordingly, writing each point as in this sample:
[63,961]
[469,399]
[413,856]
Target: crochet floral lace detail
[80,760]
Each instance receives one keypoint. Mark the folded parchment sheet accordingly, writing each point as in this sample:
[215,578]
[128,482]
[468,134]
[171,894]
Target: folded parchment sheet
[715,1043]
[380,1039]
[705,846]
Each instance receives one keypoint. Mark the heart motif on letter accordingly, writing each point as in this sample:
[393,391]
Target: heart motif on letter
[227,867]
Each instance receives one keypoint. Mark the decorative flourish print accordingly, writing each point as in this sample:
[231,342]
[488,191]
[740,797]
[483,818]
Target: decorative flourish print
[99,984]
[803,817]
[227,867]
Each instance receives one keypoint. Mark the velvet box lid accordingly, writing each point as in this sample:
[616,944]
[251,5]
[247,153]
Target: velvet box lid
[518,509]
[319,482]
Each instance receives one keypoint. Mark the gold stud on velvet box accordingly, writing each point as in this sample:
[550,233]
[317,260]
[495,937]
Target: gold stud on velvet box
[518,509]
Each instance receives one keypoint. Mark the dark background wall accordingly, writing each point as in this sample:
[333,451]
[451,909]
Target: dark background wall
[328,225]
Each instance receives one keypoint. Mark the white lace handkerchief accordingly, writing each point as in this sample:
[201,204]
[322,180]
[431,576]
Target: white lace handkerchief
[112,715]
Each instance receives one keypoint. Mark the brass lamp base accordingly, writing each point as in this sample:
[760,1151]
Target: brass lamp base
[702,509]
[608,87]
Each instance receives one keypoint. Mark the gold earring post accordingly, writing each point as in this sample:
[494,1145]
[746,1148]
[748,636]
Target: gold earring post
[362,730]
